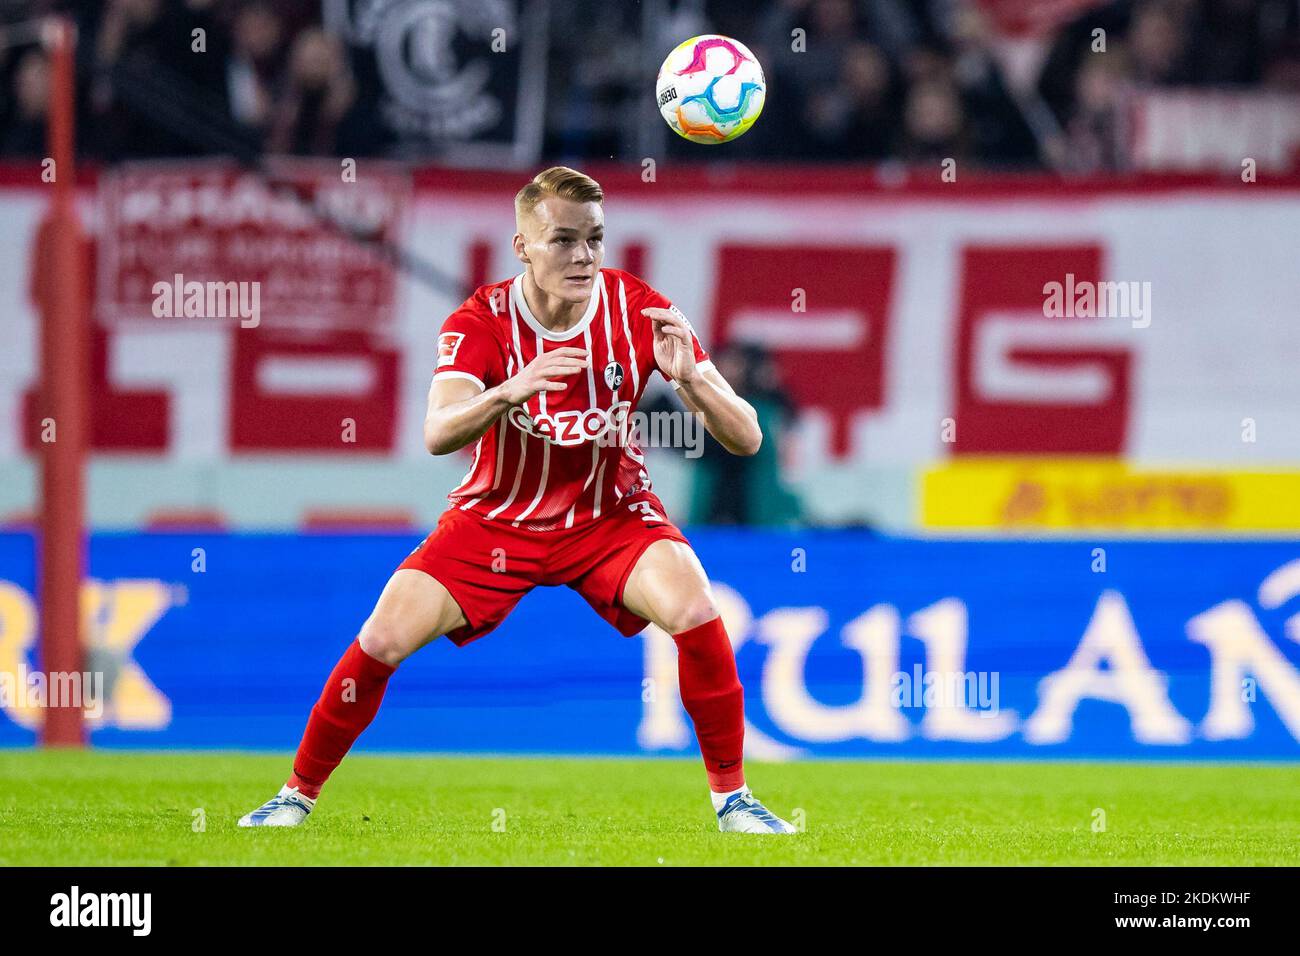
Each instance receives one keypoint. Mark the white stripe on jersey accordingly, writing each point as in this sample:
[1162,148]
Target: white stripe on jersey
[595,403]
[609,332]
[591,371]
[631,450]
[497,471]
[546,446]
[595,447]
[523,436]
[478,447]
[600,477]
[541,396]
[595,457]
[627,331]
[514,328]
[541,485]
[502,422]
[519,476]
[609,344]
[501,453]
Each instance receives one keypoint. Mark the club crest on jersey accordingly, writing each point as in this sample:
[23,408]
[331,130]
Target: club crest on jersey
[613,375]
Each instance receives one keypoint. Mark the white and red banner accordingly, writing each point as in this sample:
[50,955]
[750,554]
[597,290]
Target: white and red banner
[219,223]
[910,324]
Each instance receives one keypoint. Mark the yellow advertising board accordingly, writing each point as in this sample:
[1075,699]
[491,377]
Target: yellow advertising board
[1061,494]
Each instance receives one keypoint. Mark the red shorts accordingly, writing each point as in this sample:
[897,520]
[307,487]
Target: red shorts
[487,566]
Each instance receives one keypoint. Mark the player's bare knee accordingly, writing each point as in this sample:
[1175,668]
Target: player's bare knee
[384,641]
[695,610]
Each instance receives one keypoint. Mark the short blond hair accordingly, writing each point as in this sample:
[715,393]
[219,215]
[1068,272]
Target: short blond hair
[560,182]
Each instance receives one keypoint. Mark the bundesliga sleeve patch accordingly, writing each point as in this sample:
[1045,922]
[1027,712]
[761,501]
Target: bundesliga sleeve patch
[448,346]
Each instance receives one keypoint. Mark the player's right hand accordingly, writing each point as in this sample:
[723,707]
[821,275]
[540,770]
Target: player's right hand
[541,374]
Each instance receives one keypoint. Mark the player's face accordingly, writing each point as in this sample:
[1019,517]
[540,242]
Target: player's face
[563,242]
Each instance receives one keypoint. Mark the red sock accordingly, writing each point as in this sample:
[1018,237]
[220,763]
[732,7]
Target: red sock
[713,696]
[346,707]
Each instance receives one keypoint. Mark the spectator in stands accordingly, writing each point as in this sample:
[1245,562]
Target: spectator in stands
[1097,135]
[1157,41]
[865,80]
[258,38]
[1092,86]
[999,133]
[1277,24]
[806,69]
[858,116]
[773,31]
[25,125]
[1283,71]
[146,46]
[1228,40]
[1072,45]
[596,76]
[924,63]
[317,100]
[934,124]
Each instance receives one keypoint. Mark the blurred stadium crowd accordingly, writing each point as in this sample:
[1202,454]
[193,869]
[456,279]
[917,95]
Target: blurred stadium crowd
[866,80]
[925,79]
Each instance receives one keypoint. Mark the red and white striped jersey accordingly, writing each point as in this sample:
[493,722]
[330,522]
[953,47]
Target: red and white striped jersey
[561,458]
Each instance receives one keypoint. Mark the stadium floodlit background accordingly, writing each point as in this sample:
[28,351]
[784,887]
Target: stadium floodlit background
[1012,286]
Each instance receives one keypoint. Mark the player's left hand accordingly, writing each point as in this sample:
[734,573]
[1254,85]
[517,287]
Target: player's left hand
[674,345]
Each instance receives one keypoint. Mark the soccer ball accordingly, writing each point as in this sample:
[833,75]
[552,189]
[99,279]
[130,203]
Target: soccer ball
[710,89]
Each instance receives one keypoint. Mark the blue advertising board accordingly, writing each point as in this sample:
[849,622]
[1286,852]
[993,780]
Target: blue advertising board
[848,645]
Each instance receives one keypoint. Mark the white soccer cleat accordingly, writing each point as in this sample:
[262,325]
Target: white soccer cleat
[288,808]
[743,814]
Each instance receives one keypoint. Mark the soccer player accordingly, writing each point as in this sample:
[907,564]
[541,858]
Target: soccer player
[539,372]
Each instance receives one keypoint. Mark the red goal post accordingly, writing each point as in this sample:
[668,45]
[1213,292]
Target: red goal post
[59,286]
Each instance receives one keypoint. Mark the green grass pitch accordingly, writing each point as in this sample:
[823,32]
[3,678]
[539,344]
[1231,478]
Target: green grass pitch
[60,808]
